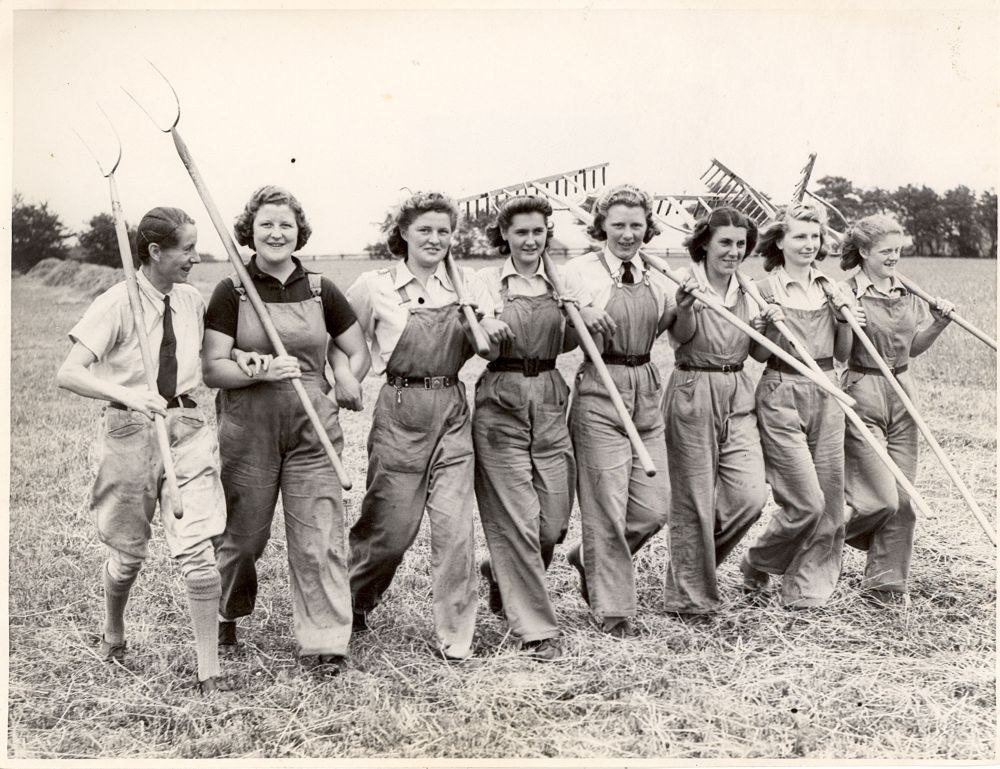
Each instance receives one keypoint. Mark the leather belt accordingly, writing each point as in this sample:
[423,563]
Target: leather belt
[777,364]
[425,382]
[177,402]
[725,368]
[527,366]
[877,371]
[625,360]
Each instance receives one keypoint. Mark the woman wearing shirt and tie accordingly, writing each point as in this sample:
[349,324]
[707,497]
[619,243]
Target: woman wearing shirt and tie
[620,507]
[420,452]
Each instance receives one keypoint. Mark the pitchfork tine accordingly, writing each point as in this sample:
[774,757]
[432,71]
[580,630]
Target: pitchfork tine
[118,159]
[177,101]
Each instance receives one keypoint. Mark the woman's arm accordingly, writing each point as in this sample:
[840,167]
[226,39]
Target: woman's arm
[685,324]
[75,375]
[925,337]
[220,370]
[350,360]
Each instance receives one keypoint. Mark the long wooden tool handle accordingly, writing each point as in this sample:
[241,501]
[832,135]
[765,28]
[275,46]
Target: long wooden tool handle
[717,307]
[258,305]
[850,413]
[480,342]
[958,319]
[867,343]
[590,348]
[173,497]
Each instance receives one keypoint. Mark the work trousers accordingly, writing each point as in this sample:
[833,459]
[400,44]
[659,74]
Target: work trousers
[802,434]
[880,515]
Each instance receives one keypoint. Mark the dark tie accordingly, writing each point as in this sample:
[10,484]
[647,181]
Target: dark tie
[166,379]
[627,277]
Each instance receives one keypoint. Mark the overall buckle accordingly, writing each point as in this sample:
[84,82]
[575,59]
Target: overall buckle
[529,367]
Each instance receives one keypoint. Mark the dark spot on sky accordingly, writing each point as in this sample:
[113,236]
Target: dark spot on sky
[293,160]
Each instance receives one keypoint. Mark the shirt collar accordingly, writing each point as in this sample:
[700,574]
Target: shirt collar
[508,269]
[152,292]
[786,280]
[698,270]
[256,272]
[404,276]
[616,264]
[863,283]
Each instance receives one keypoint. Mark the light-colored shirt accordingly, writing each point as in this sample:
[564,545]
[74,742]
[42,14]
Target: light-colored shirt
[732,290]
[586,275]
[865,286]
[382,313]
[108,331]
[795,294]
[535,284]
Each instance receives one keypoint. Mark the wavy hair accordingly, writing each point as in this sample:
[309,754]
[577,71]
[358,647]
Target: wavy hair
[160,226]
[511,207]
[697,242]
[622,195]
[864,234]
[270,195]
[775,230]
[407,212]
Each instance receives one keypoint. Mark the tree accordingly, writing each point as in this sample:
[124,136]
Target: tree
[100,243]
[961,219]
[921,215]
[840,192]
[36,234]
[988,220]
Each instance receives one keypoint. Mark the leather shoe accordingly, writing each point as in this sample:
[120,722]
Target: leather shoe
[110,652]
[545,650]
[623,628]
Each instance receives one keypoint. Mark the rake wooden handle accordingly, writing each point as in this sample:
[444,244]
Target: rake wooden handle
[259,307]
[590,348]
[479,340]
[869,346]
[955,317]
[173,497]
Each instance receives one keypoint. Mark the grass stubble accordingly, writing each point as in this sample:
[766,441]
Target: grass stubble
[845,682]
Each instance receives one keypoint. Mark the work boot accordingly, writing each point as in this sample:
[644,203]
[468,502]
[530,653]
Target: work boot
[110,652]
[545,650]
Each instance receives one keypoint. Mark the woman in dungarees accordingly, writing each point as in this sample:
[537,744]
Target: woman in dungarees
[525,472]
[801,426]
[420,452]
[880,518]
[620,507]
[267,443]
[715,459]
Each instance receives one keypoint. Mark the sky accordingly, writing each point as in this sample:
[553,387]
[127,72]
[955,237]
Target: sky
[348,108]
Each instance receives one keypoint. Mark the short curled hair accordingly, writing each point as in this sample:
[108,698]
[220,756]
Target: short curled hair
[160,226]
[622,195]
[270,195]
[767,244]
[417,204]
[864,234]
[697,242]
[511,207]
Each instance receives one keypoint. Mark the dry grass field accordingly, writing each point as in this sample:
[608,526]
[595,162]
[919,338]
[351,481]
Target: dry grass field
[845,682]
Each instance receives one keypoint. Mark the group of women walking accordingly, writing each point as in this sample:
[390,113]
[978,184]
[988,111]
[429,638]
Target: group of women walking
[530,445]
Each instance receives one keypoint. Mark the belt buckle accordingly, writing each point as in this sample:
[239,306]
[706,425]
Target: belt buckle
[433,383]
[529,366]
[728,368]
[632,360]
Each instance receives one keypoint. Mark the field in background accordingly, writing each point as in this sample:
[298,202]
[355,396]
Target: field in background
[848,681]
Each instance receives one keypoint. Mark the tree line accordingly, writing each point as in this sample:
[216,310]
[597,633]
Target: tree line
[957,223]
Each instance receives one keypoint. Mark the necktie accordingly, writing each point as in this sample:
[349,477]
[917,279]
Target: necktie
[627,277]
[166,379]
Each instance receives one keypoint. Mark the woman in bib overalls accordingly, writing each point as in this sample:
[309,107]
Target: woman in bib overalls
[880,518]
[525,472]
[801,426]
[420,452]
[620,507]
[716,464]
[267,443]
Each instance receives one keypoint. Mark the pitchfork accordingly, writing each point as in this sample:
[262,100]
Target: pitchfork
[173,497]
[234,257]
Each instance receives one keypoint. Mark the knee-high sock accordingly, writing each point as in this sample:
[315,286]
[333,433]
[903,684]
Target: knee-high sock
[116,590]
[203,591]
